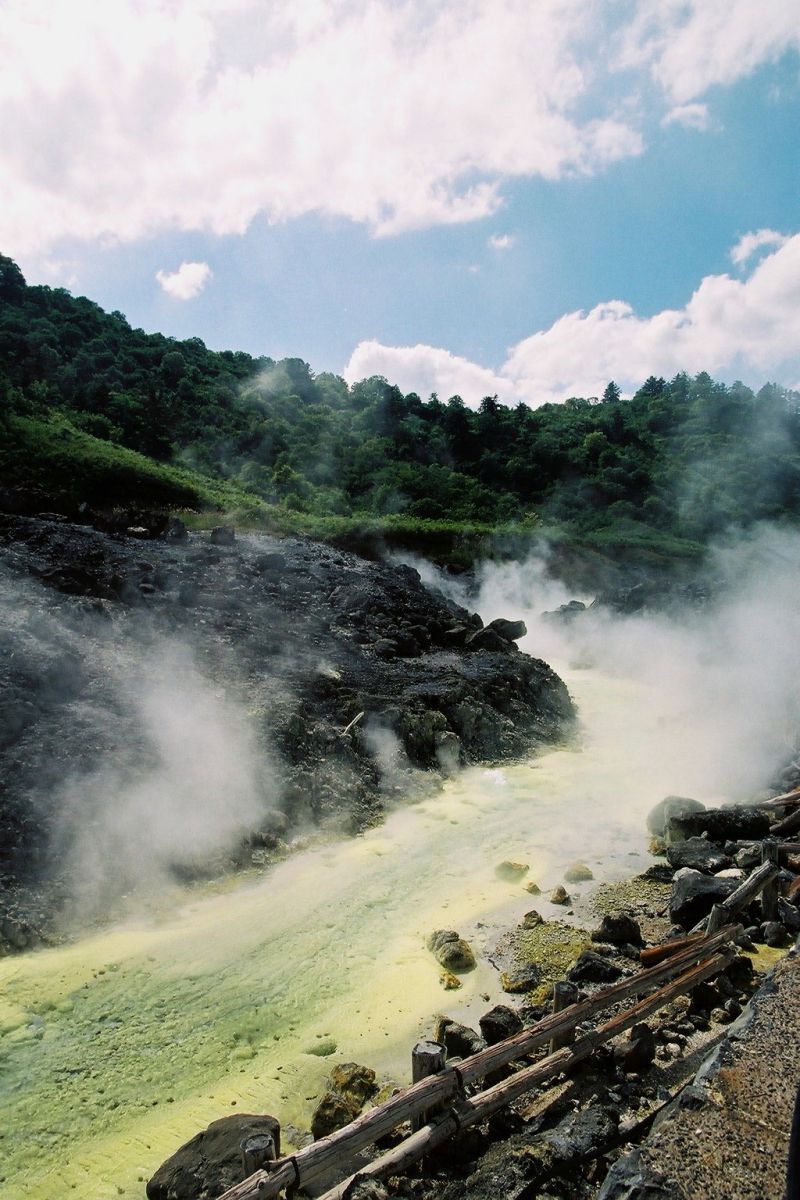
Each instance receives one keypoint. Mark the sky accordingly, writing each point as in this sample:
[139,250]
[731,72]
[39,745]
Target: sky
[525,198]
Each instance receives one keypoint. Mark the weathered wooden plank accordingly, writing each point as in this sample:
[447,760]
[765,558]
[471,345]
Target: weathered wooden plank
[324,1154]
[480,1108]
[769,893]
[652,955]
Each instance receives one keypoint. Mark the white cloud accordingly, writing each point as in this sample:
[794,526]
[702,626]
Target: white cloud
[187,282]
[501,241]
[134,117]
[691,116]
[692,45]
[748,245]
[426,369]
[728,327]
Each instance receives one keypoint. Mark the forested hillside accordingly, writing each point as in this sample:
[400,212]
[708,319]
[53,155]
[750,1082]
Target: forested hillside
[84,396]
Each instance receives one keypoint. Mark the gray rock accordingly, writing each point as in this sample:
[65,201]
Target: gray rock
[671,806]
[578,873]
[486,639]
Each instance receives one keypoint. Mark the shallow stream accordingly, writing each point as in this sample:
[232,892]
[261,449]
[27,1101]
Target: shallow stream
[117,1048]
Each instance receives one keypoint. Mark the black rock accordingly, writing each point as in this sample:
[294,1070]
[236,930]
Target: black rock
[619,930]
[636,1054]
[211,1162]
[499,1023]
[699,854]
[720,824]
[773,934]
[593,968]
[694,895]
[510,631]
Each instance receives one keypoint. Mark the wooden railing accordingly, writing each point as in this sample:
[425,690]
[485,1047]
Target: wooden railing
[444,1092]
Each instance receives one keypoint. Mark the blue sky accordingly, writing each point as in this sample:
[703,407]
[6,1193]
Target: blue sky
[489,196]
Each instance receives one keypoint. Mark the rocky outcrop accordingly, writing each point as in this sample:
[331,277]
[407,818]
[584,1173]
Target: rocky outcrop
[342,673]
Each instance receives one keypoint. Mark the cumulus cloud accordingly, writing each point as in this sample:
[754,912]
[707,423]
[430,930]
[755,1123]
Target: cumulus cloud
[135,117]
[729,326]
[691,116]
[187,282]
[751,243]
[692,45]
[426,369]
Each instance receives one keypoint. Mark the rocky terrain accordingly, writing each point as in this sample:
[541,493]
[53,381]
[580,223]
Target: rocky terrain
[188,702]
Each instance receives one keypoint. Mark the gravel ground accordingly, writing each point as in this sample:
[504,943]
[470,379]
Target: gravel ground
[726,1137]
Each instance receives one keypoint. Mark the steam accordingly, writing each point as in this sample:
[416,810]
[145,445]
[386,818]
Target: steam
[715,691]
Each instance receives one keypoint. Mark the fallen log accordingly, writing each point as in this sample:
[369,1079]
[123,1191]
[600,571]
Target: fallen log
[788,824]
[480,1108]
[656,954]
[325,1154]
[787,800]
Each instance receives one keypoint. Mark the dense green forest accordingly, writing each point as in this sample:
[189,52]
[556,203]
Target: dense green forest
[84,396]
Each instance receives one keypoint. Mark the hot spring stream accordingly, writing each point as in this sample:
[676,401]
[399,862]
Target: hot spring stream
[118,1048]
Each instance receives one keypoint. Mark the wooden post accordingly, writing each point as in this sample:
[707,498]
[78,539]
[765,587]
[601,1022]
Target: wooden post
[431,1093]
[564,994]
[257,1151]
[769,896]
[427,1058]
[718,917]
[479,1108]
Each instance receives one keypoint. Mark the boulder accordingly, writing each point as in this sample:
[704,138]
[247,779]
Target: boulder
[333,1112]
[697,853]
[486,639]
[211,1162]
[620,930]
[521,978]
[499,1023]
[559,895]
[578,873]
[354,1082]
[176,530]
[458,1040]
[665,810]
[739,822]
[590,967]
[695,894]
[532,919]
[451,951]
[510,631]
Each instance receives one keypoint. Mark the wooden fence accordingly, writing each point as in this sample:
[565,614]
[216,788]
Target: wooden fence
[681,967]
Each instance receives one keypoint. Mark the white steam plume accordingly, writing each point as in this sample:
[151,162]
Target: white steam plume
[715,692]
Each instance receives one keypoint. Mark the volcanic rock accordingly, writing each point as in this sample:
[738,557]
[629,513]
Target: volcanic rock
[211,1162]
[697,853]
[694,895]
[665,810]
